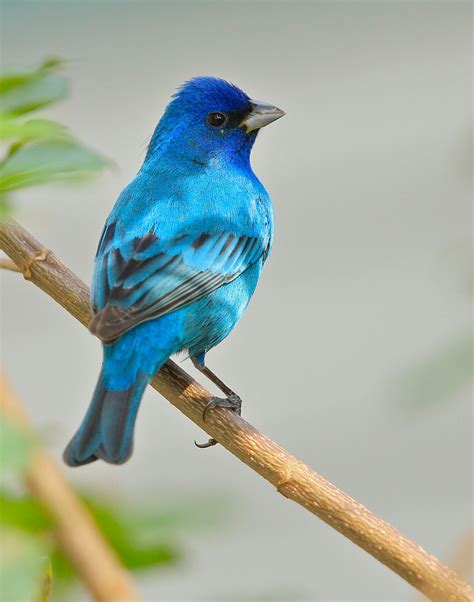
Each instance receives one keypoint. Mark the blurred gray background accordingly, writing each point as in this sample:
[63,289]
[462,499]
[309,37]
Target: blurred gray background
[368,280]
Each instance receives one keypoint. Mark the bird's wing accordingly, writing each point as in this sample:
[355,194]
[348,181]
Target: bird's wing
[145,277]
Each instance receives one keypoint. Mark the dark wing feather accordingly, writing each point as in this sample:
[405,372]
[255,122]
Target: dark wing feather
[147,278]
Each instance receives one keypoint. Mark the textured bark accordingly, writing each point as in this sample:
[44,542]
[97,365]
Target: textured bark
[291,477]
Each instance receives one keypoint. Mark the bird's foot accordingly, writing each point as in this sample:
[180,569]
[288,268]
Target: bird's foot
[232,402]
[210,443]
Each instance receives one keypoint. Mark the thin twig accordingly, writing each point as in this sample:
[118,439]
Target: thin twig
[292,478]
[8,264]
[91,555]
[463,558]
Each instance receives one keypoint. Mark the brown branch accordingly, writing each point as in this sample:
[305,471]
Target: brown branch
[463,558]
[292,478]
[90,554]
[8,264]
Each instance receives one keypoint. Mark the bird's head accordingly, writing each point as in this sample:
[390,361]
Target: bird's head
[210,120]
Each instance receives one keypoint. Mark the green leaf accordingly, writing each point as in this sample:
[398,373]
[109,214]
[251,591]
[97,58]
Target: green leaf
[22,93]
[15,449]
[24,513]
[142,535]
[22,564]
[31,130]
[63,571]
[41,151]
[5,206]
[44,162]
[119,531]
[179,516]
[17,78]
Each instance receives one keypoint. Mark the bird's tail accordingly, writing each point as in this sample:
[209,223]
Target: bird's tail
[106,432]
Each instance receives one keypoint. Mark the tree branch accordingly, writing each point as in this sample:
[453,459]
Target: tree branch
[8,264]
[91,555]
[291,477]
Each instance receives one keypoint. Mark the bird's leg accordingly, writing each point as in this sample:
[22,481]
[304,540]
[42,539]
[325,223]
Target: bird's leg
[215,379]
[231,401]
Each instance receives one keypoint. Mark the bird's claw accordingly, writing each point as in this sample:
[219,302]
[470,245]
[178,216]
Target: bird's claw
[210,443]
[233,402]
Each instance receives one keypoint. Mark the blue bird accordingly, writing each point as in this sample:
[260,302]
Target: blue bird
[179,257]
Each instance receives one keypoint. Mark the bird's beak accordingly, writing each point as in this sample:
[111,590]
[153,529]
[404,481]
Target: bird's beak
[261,114]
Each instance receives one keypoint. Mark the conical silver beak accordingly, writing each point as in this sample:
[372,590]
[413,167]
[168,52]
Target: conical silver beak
[261,115]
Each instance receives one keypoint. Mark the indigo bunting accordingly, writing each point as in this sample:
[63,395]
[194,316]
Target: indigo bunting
[179,257]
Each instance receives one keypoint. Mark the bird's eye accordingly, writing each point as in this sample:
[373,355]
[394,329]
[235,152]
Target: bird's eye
[217,120]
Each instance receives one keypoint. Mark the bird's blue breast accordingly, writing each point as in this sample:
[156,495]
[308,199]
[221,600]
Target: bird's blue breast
[196,199]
